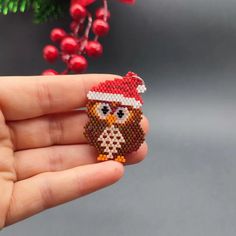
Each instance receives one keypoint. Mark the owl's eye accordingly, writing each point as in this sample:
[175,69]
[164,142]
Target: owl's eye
[103,110]
[122,114]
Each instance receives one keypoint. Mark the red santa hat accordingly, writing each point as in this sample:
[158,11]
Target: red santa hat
[126,91]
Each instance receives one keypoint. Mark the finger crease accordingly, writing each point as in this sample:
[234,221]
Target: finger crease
[44,96]
[47,196]
[12,136]
[55,160]
[55,130]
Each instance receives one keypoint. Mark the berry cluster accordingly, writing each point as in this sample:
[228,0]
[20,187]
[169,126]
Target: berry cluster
[76,46]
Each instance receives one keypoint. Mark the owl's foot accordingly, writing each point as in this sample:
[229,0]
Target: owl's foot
[102,157]
[121,159]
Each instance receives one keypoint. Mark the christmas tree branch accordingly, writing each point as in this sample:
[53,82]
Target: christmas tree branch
[14,6]
[44,10]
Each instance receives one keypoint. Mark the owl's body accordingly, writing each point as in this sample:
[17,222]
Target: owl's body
[117,140]
[111,140]
[114,126]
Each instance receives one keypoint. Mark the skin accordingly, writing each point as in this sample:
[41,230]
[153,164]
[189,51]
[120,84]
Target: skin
[44,157]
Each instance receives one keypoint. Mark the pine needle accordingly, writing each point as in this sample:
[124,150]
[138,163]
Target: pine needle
[44,10]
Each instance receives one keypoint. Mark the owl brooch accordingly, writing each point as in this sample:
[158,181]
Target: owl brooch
[114,111]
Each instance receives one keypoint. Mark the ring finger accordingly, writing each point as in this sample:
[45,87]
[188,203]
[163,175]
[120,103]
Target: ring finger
[51,159]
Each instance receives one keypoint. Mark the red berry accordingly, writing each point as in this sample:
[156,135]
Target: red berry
[75,24]
[77,11]
[50,53]
[78,64]
[94,49]
[57,35]
[50,72]
[100,13]
[86,2]
[65,57]
[69,45]
[100,27]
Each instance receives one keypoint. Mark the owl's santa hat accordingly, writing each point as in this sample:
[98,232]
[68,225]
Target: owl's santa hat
[125,91]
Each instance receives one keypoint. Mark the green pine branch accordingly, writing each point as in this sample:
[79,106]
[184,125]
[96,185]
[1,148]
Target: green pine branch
[14,6]
[44,10]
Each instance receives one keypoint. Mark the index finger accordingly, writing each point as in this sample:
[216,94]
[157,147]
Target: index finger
[33,96]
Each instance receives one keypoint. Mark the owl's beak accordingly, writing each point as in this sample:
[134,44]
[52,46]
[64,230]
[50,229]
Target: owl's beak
[111,119]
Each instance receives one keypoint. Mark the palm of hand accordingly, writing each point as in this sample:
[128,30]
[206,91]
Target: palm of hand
[44,157]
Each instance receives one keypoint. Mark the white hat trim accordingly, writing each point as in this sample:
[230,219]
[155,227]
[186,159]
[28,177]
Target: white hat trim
[111,97]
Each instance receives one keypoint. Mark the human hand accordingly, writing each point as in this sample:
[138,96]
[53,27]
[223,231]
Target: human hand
[44,157]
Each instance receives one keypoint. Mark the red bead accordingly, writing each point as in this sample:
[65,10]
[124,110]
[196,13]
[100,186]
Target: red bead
[65,57]
[75,24]
[50,72]
[100,27]
[69,45]
[83,2]
[100,13]
[78,64]
[57,35]
[94,49]
[77,11]
[50,53]
[128,1]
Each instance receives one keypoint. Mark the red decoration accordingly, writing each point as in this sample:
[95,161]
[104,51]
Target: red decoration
[57,35]
[94,49]
[50,53]
[101,13]
[78,64]
[76,45]
[83,2]
[69,45]
[101,27]
[49,72]
[77,11]
[114,111]
[128,1]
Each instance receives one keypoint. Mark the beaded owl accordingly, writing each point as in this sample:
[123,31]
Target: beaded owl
[114,111]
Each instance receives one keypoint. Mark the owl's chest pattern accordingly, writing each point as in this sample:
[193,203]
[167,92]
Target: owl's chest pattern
[111,140]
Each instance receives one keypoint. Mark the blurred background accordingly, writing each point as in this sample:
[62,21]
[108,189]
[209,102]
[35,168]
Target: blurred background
[186,52]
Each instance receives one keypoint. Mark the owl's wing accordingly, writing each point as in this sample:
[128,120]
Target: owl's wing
[134,137]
